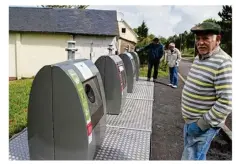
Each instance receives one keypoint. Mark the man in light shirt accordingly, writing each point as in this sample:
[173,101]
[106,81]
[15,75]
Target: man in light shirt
[173,59]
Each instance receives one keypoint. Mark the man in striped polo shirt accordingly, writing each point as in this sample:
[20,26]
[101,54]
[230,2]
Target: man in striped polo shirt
[207,94]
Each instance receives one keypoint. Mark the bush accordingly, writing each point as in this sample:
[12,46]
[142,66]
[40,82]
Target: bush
[144,69]
[191,51]
[142,58]
[188,52]
[164,66]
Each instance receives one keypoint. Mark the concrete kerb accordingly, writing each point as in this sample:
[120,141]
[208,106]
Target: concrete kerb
[187,59]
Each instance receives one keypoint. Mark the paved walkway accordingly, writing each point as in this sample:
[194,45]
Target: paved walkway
[167,125]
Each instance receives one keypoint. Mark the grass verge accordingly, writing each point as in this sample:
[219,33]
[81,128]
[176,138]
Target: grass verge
[18,103]
[144,69]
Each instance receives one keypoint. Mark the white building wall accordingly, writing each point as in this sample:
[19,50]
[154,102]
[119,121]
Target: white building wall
[98,45]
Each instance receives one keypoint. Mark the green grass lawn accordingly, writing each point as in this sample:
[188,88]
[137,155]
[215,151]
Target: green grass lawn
[18,103]
[188,53]
[144,69]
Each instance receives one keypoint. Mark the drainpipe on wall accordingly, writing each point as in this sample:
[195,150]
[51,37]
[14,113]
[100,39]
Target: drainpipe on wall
[126,50]
[17,56]
[71,50]
[110,49]
[91,50]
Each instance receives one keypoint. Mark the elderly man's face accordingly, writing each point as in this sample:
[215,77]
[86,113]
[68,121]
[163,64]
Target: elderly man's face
[172,47]
[206,43]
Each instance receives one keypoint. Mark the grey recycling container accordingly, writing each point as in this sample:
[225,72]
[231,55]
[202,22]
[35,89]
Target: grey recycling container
[129,63]
[137,63]
[113,74]
[66,112]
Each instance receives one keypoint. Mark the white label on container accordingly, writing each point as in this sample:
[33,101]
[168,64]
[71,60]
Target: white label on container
[90,138]
[121,68]
[130,56]
[84,70]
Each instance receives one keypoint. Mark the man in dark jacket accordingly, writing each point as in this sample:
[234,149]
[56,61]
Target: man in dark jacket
[155,53]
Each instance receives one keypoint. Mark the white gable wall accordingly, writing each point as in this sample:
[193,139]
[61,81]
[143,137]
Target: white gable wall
[129,34]
[29,52]
[99,46]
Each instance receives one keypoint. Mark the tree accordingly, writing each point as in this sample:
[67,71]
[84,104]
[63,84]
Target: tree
[136,30]
[162,39]
[226,25]
[142,31]
[66,6]
[174,39]
[144,42]
[226,13]
[151,37]
[187,39]
[144,39]
[190,40]
[210,20]
[184,40]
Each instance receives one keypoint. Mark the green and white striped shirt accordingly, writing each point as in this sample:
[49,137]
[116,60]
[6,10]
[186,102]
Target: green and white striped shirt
[207,94]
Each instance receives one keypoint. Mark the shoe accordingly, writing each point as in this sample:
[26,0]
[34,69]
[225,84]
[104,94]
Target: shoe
[174,86]
[170,85]
[148,79]
[155,80]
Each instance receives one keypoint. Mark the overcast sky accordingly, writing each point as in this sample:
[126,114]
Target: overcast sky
[165,20]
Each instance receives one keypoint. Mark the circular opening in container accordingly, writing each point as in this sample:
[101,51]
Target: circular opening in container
[90,93]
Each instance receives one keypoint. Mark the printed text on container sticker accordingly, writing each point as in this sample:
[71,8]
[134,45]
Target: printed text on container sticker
[84,70]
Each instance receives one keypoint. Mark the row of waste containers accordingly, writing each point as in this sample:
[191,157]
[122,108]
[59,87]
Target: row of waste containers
[69,102]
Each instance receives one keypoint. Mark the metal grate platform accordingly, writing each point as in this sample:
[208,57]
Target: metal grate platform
[141,92]
[136,114]
[127,136]
[18,146]
[144,81]
[121,144]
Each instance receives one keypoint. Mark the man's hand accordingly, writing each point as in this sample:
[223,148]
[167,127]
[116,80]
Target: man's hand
[177,63]
[194,129]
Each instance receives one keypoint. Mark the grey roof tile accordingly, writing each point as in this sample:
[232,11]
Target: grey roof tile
[73,21]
